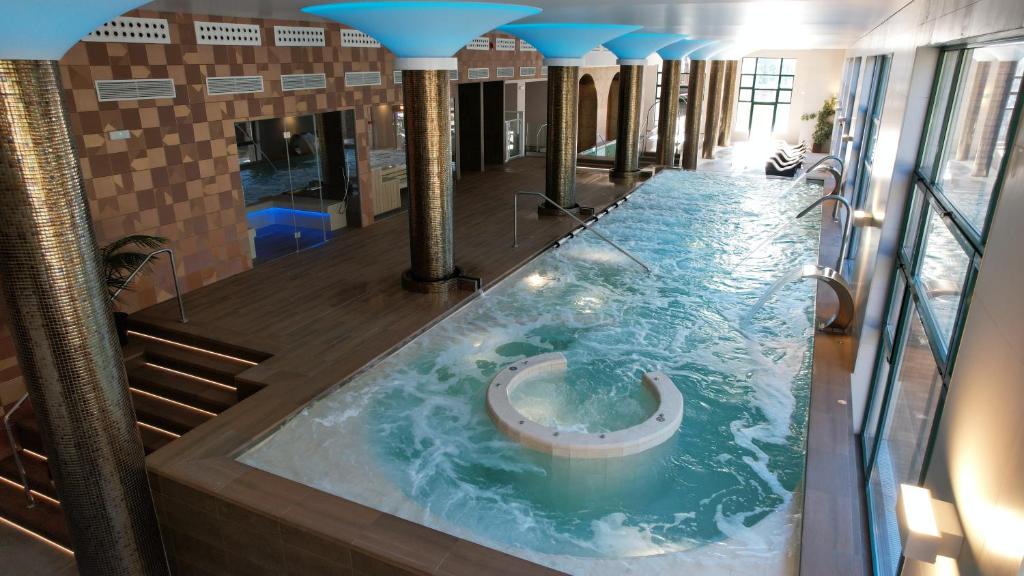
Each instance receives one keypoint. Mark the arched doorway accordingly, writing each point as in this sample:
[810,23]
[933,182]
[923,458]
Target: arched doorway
[586,134]
[611,119]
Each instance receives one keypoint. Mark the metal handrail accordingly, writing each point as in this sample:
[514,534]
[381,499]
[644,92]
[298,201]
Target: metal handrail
[174,275]
[847,224]
[647,122]
[515,226]
[536,137]
[15,451]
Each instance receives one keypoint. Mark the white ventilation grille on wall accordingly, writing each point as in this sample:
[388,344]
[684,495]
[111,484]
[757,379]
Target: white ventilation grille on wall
[291,82]
[453,75]
[527,71]
[353,79]
[505,44]
[299,36]
[397,78]
[525,46]
[150,88]
[505,72]
[132,30]
[479,73]
[219,85]
[479,43]
[351,38]
[228,34]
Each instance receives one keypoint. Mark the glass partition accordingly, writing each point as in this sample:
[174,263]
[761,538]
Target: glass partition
[296,174]
[514,147]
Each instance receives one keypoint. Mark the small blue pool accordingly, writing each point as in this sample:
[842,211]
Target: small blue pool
[410,436]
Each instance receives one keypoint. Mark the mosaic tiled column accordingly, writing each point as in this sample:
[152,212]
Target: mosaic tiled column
[729,96]
[61,320]
[560,172]
[694,105]
[627,144]
[429,165]
[668,112]
[713,117]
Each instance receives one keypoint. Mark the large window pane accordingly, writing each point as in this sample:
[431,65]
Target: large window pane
[909,245]
[942,275]
[789,66]
[749,65]
[746,81]
[976,139]
[769,66]
[943,91]
[905,434]
[769,82]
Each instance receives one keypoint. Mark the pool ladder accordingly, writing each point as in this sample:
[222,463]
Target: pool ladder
[586,225]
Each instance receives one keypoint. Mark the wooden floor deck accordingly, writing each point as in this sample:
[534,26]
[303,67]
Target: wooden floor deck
[325,313]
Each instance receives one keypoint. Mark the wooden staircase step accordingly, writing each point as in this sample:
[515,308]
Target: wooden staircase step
[45,518]
[166,414]
[216,368]
[205,395]
[36,470]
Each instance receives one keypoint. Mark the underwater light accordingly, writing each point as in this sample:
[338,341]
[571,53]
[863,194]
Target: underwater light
[535,280]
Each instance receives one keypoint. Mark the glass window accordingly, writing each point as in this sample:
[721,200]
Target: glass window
[909,245]
[943,92]
[768,83]
[914,397]
[892,314]
[976,138]
[943,273]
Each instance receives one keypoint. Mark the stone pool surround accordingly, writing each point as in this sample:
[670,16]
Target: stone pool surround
[220,516]
[657,428]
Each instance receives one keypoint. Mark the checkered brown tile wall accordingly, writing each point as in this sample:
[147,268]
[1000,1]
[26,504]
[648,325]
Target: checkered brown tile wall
[178,175]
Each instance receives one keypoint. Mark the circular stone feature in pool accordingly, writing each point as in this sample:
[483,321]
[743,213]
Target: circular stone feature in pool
[657,428]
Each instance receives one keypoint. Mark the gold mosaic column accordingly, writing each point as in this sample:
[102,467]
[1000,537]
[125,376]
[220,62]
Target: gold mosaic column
[715,80]
[560,171]
[63,329]
[694,105]
[627,145]
[729,96]
[429,164]
[668,112]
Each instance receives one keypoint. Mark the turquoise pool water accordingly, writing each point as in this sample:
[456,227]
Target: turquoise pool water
[410,435]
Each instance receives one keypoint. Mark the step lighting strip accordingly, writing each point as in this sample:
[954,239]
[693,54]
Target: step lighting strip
[36,535]
[169,401]
[19,487]
[158,429]
[196,348]
[192,376]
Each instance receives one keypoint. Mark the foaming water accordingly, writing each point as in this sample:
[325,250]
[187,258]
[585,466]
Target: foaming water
[410,436]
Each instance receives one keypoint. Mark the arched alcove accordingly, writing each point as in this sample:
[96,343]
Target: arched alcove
[611,124]
[586,135]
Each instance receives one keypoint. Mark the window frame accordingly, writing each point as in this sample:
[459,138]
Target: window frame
[752,100]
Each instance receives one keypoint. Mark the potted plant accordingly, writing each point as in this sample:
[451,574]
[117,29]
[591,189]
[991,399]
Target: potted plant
[119,262]
[823,127]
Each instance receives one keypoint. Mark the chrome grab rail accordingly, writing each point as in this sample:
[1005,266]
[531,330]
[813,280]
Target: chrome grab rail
[16,451]
[174,275]
[847,224]
[515,226]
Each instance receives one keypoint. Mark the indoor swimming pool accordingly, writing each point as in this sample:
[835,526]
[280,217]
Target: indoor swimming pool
[411,436]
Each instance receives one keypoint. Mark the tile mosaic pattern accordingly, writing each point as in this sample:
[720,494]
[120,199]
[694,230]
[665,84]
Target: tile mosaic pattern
[178,175]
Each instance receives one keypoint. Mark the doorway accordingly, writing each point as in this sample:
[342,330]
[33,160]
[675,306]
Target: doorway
[611,121]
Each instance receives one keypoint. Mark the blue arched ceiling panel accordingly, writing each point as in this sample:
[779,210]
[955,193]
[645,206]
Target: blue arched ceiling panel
[423,29]
[681,49]
[640,45]
[46,29]
[706,52]
[567,40]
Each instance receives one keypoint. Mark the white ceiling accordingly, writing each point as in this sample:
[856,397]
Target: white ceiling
[753,24]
